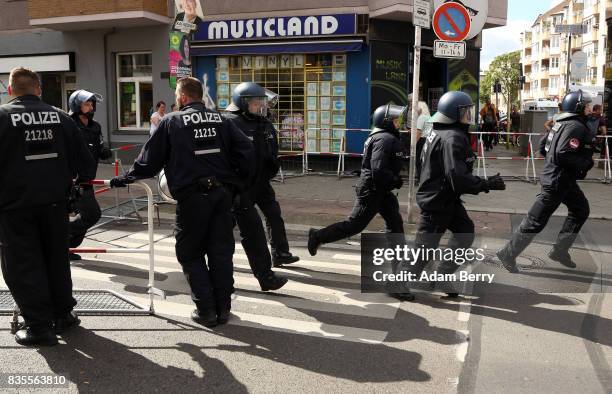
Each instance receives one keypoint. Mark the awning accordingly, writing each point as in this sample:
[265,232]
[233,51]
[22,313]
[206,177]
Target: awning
[260,48]
[38,63]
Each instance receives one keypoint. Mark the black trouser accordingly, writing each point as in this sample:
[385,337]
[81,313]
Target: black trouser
[367,205]
[205,229]
[266,201]
[419,150]
[87,214]
[253,236]
[488,139]
[545,205]
[35,266]
[434,224]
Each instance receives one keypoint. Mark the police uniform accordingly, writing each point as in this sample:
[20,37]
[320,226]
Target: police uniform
[568,148]
[86,206]
[205,159]
[264,137]
[380,168]
[41,152]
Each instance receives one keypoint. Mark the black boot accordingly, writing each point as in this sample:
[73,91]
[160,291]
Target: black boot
[281,258]
[313,242]
[562,257]
[206,317]
[271,281]
[74,257]
[36,336]
[66,322]
[508,261]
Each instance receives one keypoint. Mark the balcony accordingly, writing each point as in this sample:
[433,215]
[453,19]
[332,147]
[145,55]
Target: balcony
[545,34]
[555,50]
[527,94]
[554,71]
[576,42]
[593,35]
[553,91]
[543,73]
[526,59]
[545,53]
[592,61]
[97,14]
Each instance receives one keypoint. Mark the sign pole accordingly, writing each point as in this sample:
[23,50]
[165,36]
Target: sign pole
[416,75]
[569,60]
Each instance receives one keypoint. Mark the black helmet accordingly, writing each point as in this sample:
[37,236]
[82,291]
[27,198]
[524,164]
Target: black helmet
[455,107]
[82,96]
[576,102]
[383,116]
[242,96]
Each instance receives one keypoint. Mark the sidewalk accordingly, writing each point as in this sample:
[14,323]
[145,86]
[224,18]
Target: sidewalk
[316,200]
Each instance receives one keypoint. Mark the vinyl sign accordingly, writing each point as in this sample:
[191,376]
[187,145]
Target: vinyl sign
[278,27]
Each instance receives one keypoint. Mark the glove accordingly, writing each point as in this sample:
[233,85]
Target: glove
[120,181]
[583,173]
[397,182]
[105,154]
[494,183]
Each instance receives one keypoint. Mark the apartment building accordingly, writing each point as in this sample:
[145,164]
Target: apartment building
[544,53]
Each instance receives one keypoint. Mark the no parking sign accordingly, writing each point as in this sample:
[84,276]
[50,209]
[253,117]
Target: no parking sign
[451,22]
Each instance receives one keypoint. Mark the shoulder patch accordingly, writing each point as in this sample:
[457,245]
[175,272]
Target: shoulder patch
[574,143]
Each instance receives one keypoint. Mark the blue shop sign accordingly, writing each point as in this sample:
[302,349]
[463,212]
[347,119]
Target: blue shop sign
[278,27]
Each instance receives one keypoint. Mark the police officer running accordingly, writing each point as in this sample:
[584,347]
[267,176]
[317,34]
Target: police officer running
[82,106]
[41,152]
[568,148]
[248,112]
[380,168]
[446,174]
[204,158]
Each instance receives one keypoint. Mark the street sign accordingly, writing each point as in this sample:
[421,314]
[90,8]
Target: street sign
[478,10]
[451,22]
[574,30]
[449,49]
[578,66]
[421,13]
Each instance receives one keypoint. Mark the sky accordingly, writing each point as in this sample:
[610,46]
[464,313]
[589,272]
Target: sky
[521,14]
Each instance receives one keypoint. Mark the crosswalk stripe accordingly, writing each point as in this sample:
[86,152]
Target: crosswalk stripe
[369,305]
[348,257]
[314,329]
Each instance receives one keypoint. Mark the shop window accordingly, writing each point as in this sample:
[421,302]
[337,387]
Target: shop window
[312,90]
[134,90]
[4,96]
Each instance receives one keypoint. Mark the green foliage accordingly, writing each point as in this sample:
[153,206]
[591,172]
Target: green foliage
[505,69]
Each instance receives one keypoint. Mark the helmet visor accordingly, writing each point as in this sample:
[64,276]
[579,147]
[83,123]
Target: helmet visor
[272,98]
[400,113]
[467,114]
[257,106]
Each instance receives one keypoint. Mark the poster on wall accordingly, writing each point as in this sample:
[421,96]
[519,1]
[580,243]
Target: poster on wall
[463,75]
[390,83]
[179,59]
[189,15]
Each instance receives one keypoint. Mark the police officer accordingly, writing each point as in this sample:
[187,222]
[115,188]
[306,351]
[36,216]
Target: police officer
[446,174]
[248,112]
[41,152]
[205,159]
[380,168]
[569,149]
[82,105]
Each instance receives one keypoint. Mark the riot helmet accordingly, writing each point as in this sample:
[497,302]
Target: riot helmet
[81,96]
[383,117]
[576,103]
[455,107]
[249,98]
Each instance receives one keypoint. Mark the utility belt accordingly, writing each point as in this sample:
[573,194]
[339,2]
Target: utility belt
[203,185]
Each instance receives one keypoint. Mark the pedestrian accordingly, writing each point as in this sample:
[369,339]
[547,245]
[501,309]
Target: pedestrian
[248,112]
[41,152]
[82,104]
[568,148]
[423,117]
[205,159]
[515,124]
[448,162]
[489,124]
[380,175]
[598,126]
[156,117]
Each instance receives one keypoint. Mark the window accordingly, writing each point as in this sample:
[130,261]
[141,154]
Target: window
[554,82]
[593,73]
[312,90]
[554,41]
[554,62]
[134,90]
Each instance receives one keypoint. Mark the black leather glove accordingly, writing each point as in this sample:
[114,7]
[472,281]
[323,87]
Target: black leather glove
[120,181]
[105,154]
[494,182]
[398,182]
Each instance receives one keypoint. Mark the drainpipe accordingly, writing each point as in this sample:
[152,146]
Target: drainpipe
[107,76]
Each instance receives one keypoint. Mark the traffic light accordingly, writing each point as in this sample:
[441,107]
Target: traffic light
[497,87]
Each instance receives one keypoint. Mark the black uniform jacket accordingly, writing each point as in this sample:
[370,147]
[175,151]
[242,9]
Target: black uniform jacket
[382,160]
[41,153]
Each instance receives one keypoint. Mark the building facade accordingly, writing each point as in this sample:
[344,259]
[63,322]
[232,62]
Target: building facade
[544,53]
[331,62]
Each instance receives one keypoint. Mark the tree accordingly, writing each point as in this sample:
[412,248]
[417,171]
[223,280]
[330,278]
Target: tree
[505,69]
[486,87]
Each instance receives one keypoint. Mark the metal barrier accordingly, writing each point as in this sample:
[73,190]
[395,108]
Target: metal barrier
[283,155]
[341,154]
[120,304]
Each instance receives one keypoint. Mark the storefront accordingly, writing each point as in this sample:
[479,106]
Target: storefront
[331,72]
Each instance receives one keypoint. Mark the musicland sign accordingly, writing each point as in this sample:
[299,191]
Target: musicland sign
[278,27]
